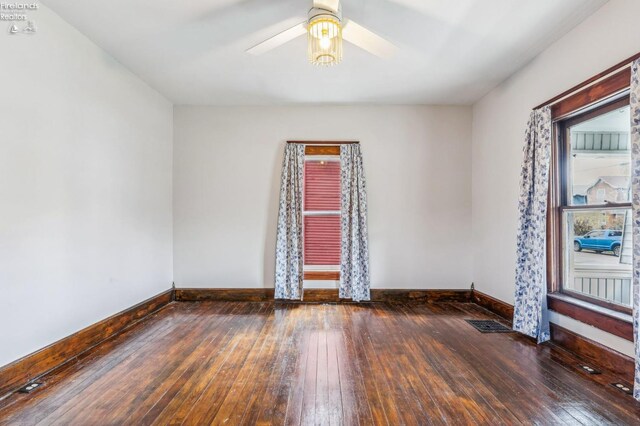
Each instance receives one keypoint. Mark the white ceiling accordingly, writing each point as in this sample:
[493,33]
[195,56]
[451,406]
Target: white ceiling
[450,51]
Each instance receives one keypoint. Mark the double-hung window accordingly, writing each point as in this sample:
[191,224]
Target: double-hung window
[593,235]
[321,212]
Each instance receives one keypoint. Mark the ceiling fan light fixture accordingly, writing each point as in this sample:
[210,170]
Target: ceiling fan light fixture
[325,31]
[325,40]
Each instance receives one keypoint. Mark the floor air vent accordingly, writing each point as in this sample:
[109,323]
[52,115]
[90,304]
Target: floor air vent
[489,326]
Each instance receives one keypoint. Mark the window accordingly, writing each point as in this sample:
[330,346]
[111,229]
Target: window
[592,163]
[321,211]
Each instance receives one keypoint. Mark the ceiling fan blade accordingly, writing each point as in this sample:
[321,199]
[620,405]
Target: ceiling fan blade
[278,39]
[332,5]
[367,40]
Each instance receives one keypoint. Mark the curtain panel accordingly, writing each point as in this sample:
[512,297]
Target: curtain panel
[289,260]
[354,264]
[635,189]
[530,315]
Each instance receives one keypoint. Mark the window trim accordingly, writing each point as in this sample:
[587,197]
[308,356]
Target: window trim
[617,323]
[322,148]
[321,275]
[579,88]
[592,96]
[612,97]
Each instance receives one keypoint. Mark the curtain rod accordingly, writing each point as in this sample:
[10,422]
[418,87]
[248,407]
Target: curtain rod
[591,81]
[324,142]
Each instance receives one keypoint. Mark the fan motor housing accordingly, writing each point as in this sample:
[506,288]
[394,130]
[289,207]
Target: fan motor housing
[316,12]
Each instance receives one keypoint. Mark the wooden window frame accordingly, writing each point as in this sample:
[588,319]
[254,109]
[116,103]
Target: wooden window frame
[600,94]
[560,203]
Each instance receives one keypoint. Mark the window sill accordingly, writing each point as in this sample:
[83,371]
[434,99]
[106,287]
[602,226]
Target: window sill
[322,275]
[614,322]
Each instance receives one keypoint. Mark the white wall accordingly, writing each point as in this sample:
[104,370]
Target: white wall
[499,119]
[85,187]
[227,164]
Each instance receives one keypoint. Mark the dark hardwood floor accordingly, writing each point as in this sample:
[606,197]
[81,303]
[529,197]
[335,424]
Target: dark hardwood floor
[328,364]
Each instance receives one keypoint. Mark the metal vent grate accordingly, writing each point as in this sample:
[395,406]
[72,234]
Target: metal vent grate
[489,326]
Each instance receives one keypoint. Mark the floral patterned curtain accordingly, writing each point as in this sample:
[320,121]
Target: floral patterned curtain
[530,315]
[289,260]
[635,186]
[354,265]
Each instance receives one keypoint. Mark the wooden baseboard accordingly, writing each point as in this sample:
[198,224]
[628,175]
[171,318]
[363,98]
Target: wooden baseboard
[428,295]
[317,295]
[224,294]
[498,307]
[593,352]
[32,366]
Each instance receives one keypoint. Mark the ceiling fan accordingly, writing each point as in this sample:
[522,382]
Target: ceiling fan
[325,29]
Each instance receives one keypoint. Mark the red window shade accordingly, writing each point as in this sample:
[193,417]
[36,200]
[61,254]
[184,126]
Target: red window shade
[321,185]
[322,240]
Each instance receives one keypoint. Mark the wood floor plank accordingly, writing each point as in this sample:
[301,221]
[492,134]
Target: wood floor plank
[367,370]
[396,372]
[189,393]
[288,402]
[215,334]
[518,377]
[557,381]
[469,352]
[466,381]
[274,399]
[134,377]
[206,407]
[253,374]
[266,363]
[322,381]
[356,407]
[335,407]
[309,385]
[72,379]
[141,399]
[430,411]
[249,407]
[452,408]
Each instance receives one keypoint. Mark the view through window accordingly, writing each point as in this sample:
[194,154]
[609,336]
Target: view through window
[596,211]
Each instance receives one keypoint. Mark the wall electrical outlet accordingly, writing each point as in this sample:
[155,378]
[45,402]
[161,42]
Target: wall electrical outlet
[628,389]
[588,369]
